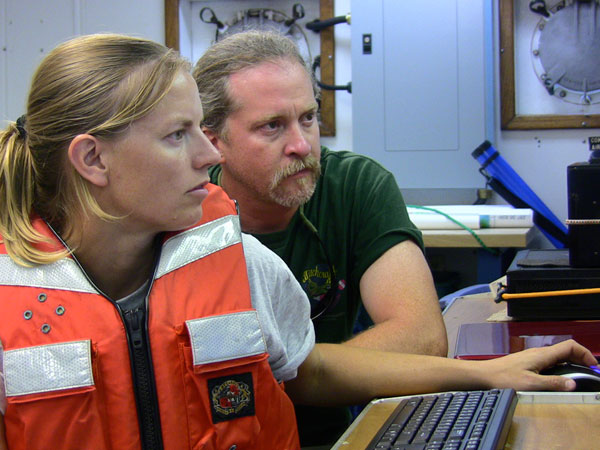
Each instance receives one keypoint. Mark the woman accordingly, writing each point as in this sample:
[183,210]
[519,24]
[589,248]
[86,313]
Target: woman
[109,164]
[132,315]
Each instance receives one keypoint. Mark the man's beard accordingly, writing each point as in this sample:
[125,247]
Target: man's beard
[304,187]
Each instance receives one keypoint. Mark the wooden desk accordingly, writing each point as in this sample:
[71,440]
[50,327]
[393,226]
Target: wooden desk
[491,237]
[535,426]
[569,421]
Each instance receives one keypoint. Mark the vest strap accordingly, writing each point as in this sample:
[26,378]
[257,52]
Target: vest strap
[199,242]
[62,274]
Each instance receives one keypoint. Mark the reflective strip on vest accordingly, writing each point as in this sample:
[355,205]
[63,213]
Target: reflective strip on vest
[47,368]
[63,274]
[198,242]
[182,249]
[226,337]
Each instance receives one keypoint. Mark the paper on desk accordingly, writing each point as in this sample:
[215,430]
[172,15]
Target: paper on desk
[472,216]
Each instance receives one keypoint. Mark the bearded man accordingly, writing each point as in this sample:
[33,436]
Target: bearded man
[336,218]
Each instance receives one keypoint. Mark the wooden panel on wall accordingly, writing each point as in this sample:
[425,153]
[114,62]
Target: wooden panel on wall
[172,24]
[327,72]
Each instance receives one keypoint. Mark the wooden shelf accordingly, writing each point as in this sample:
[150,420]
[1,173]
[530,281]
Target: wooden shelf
[491,237]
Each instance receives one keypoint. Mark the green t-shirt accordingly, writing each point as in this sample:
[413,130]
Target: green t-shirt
[359,213]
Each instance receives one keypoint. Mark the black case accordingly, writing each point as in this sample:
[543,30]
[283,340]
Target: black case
[583,183]
[549,270]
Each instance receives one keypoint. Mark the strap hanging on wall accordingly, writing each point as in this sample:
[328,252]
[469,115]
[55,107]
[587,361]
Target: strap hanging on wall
[317,25]
[262,19]
[291,25]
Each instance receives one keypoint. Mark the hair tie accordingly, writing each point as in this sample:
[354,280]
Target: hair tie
[21,127]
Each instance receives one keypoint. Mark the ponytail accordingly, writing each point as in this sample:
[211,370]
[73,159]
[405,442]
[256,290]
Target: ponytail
[17,191]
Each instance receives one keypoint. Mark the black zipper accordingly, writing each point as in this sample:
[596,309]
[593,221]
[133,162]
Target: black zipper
[146,398]
[143,379]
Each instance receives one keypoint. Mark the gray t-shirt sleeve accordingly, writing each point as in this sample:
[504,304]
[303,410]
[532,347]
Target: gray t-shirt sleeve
[283,309]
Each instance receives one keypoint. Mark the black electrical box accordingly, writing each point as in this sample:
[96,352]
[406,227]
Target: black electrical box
[583,185]
[538,271]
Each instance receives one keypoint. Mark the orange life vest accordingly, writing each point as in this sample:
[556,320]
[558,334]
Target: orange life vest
[68,362]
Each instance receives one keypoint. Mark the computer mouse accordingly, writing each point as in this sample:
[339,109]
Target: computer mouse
[587,378]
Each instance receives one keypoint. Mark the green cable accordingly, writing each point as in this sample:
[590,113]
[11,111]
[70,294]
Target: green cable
[462,225]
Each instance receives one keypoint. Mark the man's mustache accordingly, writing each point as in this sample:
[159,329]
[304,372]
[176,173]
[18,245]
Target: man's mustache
[309,162]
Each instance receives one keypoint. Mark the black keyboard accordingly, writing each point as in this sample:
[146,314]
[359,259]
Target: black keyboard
[471,420]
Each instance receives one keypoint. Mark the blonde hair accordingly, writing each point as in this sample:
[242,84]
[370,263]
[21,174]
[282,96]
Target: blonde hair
[97,84]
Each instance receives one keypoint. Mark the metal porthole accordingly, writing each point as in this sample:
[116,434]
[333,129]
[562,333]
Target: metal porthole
[60,310]
[45,328]
[42,297]
[28,315]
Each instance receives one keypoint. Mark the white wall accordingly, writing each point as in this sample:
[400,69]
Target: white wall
[29,28]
